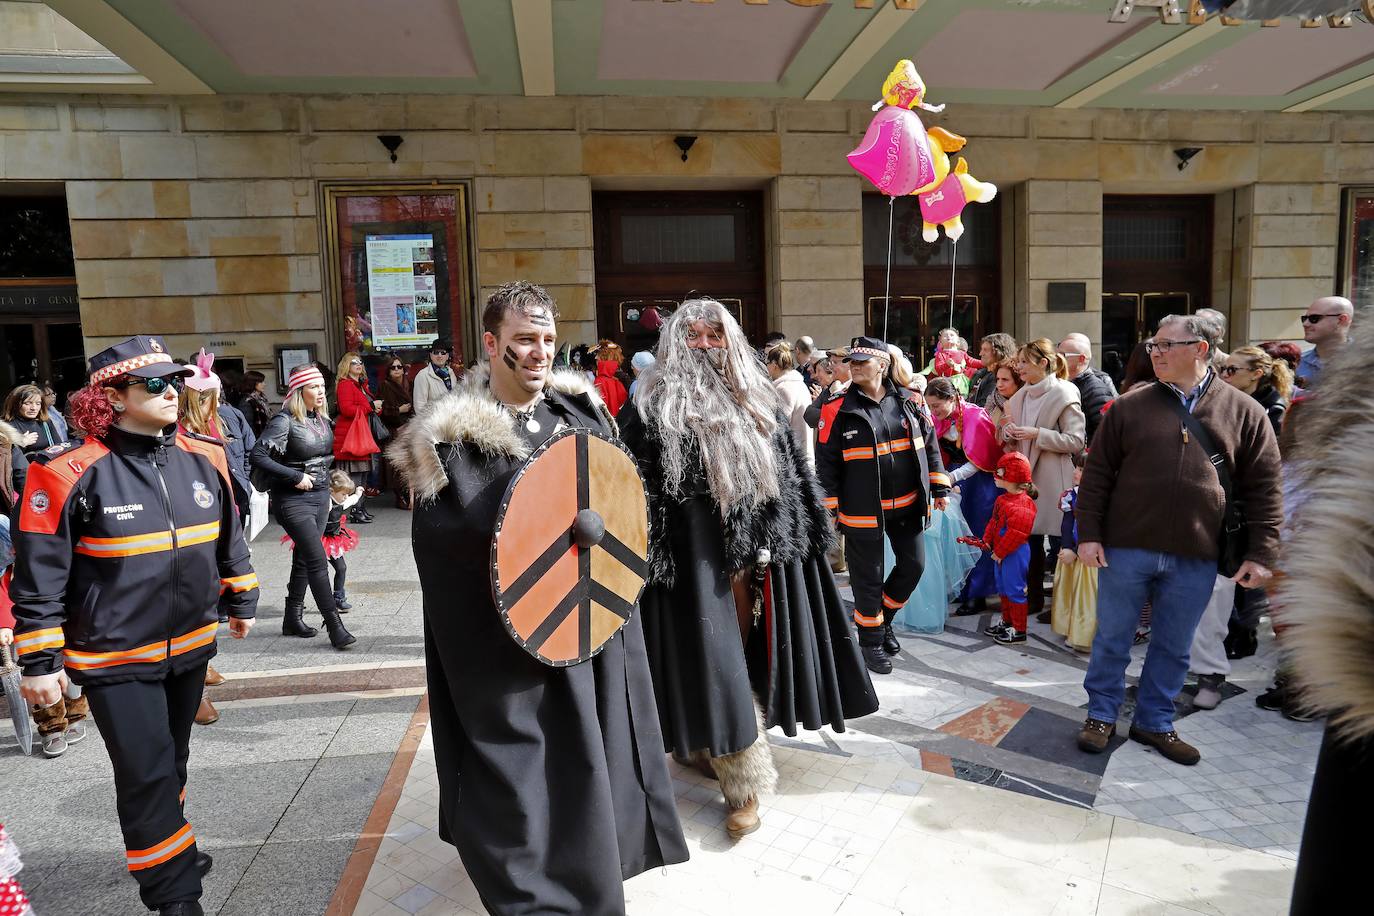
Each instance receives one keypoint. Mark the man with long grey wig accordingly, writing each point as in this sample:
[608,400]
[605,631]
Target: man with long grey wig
[743,622]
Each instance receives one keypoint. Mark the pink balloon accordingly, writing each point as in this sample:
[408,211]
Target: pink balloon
[895,153]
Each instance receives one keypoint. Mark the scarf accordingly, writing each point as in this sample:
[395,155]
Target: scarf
[444,375]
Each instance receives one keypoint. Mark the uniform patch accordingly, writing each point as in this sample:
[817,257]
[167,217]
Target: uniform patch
[154,345]
[39,502]
[203,497]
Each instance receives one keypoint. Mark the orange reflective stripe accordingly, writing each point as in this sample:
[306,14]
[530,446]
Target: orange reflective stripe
[941,480]
[900,445]
[84,661]
[239,583]
[179,842]
[859,521]
[890,604]
[863,621]
[182,797]
[857,454]
[152,542]
[201,636]
[900,502]
[831,502]
[37,640]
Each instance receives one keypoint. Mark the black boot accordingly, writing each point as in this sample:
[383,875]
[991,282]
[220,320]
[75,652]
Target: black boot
[204,863]
[358,516]
[293,623]
[181,908]
[890,644]
[339,636]
[341,602]
[871,645]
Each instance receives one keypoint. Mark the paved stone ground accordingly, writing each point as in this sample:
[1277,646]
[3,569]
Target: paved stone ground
[968,771]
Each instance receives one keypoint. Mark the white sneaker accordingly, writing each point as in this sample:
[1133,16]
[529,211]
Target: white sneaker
[54,744]
[76,733]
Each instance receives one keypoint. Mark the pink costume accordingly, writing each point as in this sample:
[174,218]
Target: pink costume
[977,436]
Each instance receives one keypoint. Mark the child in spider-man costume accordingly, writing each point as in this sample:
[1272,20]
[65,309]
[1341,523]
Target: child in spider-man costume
[1013,517]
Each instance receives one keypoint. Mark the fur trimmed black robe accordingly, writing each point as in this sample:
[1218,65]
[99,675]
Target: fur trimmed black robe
[552,781]
[802,661]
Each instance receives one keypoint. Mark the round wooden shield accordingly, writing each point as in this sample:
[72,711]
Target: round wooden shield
[568,556]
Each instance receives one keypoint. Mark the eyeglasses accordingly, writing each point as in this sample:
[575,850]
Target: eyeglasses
[1314,319]
[1229,371]
[397,368]
[355,362]
[1164,346]
[155,386]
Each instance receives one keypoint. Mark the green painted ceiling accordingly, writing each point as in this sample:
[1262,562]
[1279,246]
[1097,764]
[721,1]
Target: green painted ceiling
[579,27]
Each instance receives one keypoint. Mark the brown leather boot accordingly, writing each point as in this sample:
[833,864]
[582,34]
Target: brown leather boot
[207,714]
[212,677]
[744,820]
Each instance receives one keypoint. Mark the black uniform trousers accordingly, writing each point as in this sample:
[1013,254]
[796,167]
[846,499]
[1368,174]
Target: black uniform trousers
[146,726]
[303,514]
[875,596]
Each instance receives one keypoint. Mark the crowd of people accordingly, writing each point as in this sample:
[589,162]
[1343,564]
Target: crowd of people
[1143,507]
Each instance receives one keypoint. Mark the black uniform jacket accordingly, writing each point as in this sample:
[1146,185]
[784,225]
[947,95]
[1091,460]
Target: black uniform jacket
[122,550]
[858,458]
[552,781]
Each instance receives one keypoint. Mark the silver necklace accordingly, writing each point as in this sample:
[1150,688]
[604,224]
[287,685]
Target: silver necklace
[526,416]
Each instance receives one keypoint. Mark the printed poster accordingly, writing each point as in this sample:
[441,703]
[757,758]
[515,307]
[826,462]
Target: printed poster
[401,293]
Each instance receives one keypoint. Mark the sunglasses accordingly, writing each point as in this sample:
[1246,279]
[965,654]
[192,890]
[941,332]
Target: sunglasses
[355,362]
[1229,371]
[397,368]
[155,386]
[1315,319]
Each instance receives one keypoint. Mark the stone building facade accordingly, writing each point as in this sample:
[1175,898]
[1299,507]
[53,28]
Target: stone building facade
[198,217]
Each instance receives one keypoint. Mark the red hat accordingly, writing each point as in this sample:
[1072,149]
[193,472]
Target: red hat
[1014,468]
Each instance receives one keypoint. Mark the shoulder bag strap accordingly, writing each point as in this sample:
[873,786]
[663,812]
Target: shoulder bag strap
[1204,439]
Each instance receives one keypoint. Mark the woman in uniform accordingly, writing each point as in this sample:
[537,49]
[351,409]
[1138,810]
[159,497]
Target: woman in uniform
[124,545]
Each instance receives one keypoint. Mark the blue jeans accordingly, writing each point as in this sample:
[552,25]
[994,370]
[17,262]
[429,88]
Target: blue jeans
[1179,589]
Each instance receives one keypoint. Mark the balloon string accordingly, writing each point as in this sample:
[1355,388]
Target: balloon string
[887,293]
[953,260]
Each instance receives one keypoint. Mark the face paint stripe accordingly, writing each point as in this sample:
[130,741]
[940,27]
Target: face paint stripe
[509,358]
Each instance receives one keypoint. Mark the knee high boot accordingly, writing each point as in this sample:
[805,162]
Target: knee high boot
[293,623]
[744,777]
[339,636]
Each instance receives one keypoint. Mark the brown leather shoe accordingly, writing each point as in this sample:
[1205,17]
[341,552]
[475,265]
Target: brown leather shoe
[743,821]
[212,677]
[1169,745]
[207,714]
[1095,734]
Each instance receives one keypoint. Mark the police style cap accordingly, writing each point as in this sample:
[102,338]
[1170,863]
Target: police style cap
[866,348]
[141,356]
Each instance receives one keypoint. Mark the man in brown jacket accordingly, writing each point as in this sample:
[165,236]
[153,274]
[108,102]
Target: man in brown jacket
[1150,510]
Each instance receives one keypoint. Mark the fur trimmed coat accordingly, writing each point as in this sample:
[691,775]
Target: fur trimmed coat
[552,781]
[800,658]
[1325,604]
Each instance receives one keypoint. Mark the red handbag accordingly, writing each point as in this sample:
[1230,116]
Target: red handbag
[359,444]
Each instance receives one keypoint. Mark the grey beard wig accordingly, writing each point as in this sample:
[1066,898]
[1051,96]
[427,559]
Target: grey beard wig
[719,403]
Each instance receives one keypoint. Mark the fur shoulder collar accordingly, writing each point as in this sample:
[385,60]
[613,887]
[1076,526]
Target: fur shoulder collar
[468,414]
[9,436]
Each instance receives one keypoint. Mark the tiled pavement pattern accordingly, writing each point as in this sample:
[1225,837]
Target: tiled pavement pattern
[281,786]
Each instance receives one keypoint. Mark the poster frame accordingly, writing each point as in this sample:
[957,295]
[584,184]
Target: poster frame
[331,192]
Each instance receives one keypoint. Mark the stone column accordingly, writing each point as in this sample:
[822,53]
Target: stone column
[540,230]
[1285,241]
[1061,223]
[818,275]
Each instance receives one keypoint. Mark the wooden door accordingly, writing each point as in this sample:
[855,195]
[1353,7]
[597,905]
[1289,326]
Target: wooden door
[654,249]
[1156,261]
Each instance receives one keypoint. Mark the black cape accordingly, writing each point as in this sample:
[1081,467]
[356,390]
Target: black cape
[802,661]
[552,781]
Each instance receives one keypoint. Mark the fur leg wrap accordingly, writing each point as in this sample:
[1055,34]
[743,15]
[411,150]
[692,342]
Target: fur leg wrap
[749,773]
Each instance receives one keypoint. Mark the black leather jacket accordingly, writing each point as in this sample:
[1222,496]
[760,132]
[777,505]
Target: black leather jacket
[288,448]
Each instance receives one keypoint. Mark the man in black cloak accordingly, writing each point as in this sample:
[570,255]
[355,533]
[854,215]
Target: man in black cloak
[744,625]
[552,781]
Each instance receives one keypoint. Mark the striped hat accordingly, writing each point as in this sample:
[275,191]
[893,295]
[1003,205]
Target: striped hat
[302,375]
[141,356]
